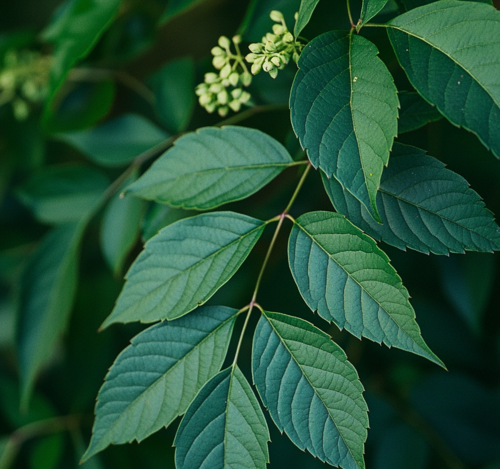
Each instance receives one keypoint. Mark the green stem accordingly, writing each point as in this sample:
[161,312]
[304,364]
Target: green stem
[350,15]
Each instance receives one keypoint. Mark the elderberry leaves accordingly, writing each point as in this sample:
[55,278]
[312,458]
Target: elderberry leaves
[155,379]
[423,206]
[224,426]
[344,109]
[211,167]
[450,51]
[184,265]
[371,8]
[312,392]
[342,274]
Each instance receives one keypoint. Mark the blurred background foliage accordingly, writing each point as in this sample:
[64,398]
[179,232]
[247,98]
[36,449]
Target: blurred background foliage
[90,93]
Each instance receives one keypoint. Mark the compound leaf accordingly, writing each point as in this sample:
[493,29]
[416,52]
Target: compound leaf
[312,392]
[342,274]
[305,12]
[224,427]
[46,295]
[371,8]
[423,206]
[415,112]
[211,167]
[450,51]
[184,265]
[344,109]
[154,379]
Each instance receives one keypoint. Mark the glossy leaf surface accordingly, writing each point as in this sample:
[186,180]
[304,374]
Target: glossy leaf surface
[371,8]
[224,426]
[211,167]
[453,60]
[423,206]
[312,392]
[342,274]
[344,109]
[154,380]
[184,265]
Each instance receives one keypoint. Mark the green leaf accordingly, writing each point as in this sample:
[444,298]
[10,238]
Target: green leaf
[453,61]
[423,206]
[74,32]
[415,112]
[410,4]
[116,142]
[154,380]
[312,392]
[305,12]
[64,193]
[213,166]
[120,228]
[224,427]
[344,108]
[46,295]
[176,7]
[342,274]
[159,216]
[184,265]
[371,8]
[173,89]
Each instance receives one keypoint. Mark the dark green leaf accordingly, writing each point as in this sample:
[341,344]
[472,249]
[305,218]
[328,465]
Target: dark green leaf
[312,392]
[184,265]
[410,4]
[305,12]
[62,194]
[453,61]
[120,228]
[342,274]
[371,8]
[46,296]
[117,142]
[423,206]
[173,87]
[213,166]
[176,7]
[224,426]
[154,380]
[344,109]
[415,112]
[159,216]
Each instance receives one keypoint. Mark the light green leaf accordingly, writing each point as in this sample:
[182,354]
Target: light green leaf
[117,142]
[120,227]
[423,206]
[415,112]
[224,426]
[184,265]
[371,8]
[46,296]
[64,193]
[342,274]
[75,31]
[344,109]
[312,392]
[173,87]
[410,4]
[213,166]
[453,61]
[305,12]
[154,380]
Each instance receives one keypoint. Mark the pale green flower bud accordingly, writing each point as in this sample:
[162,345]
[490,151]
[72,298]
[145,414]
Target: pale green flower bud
[296,57]
[279,29]
[224,42]
[225,83]
[245,96]
[237,39]
[267,66]
[277,16]
[211,78]
[276,61]
[222,97]
[226,70]
[8,80]
[270,46]
[235,105]
[211,107]
[256,47]
[246,79]
[218,51]
[236,93]
[273,72]
[271,37]
[21,109]
[205,99]
[250,58]
[202,88]
[234,78]
[256,68]
[215,88]
[218,61]
[288,38]
[223,111]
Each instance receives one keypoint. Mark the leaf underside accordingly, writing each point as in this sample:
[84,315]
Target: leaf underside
[184,265]
[344,109]
[224,426]
[450,51]
[341,273]
[312,392]
[211,167]
[423,206]
[154,379]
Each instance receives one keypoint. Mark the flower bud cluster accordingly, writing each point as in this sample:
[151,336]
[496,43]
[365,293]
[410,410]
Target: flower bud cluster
[24,80]
[275,50]
[224,90]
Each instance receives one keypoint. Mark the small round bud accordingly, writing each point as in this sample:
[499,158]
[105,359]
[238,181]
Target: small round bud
[296,57]
[234,78]
[256,47]
[270,46]
[237,39]
[267,66]
[219,61]
[211,107]
[211,78]
[224,42]
[21,109]
[236,93]
[235,105]
[246,79]
[205,99]
[245,96]
[288,38]
[277,16]
[218,51]
[226,70]
[276,61]
[256,68]
[223,111]
[273,72]
[222,97]
[215,88]
[279,29]
[250,58]
[225,83]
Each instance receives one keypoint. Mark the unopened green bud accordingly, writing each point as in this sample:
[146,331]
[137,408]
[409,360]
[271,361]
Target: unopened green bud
[279,29]
[267,66]
[256,68]
[234,78]
[219,61]
[224,42]
[226,70]
[225,82]
[218,51]
[276,61]
[237,39]
[222,97]
[245,96]
[236,93]
[296,57]
[277,16]
[250,58]
[215,88]
[235,105]
[273,72]
[255,47]
[246,79]
[8,80]
[205,99]
[211,78]
[288,38]
[21,109]
[223,111]
[270,46]
[211,107]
